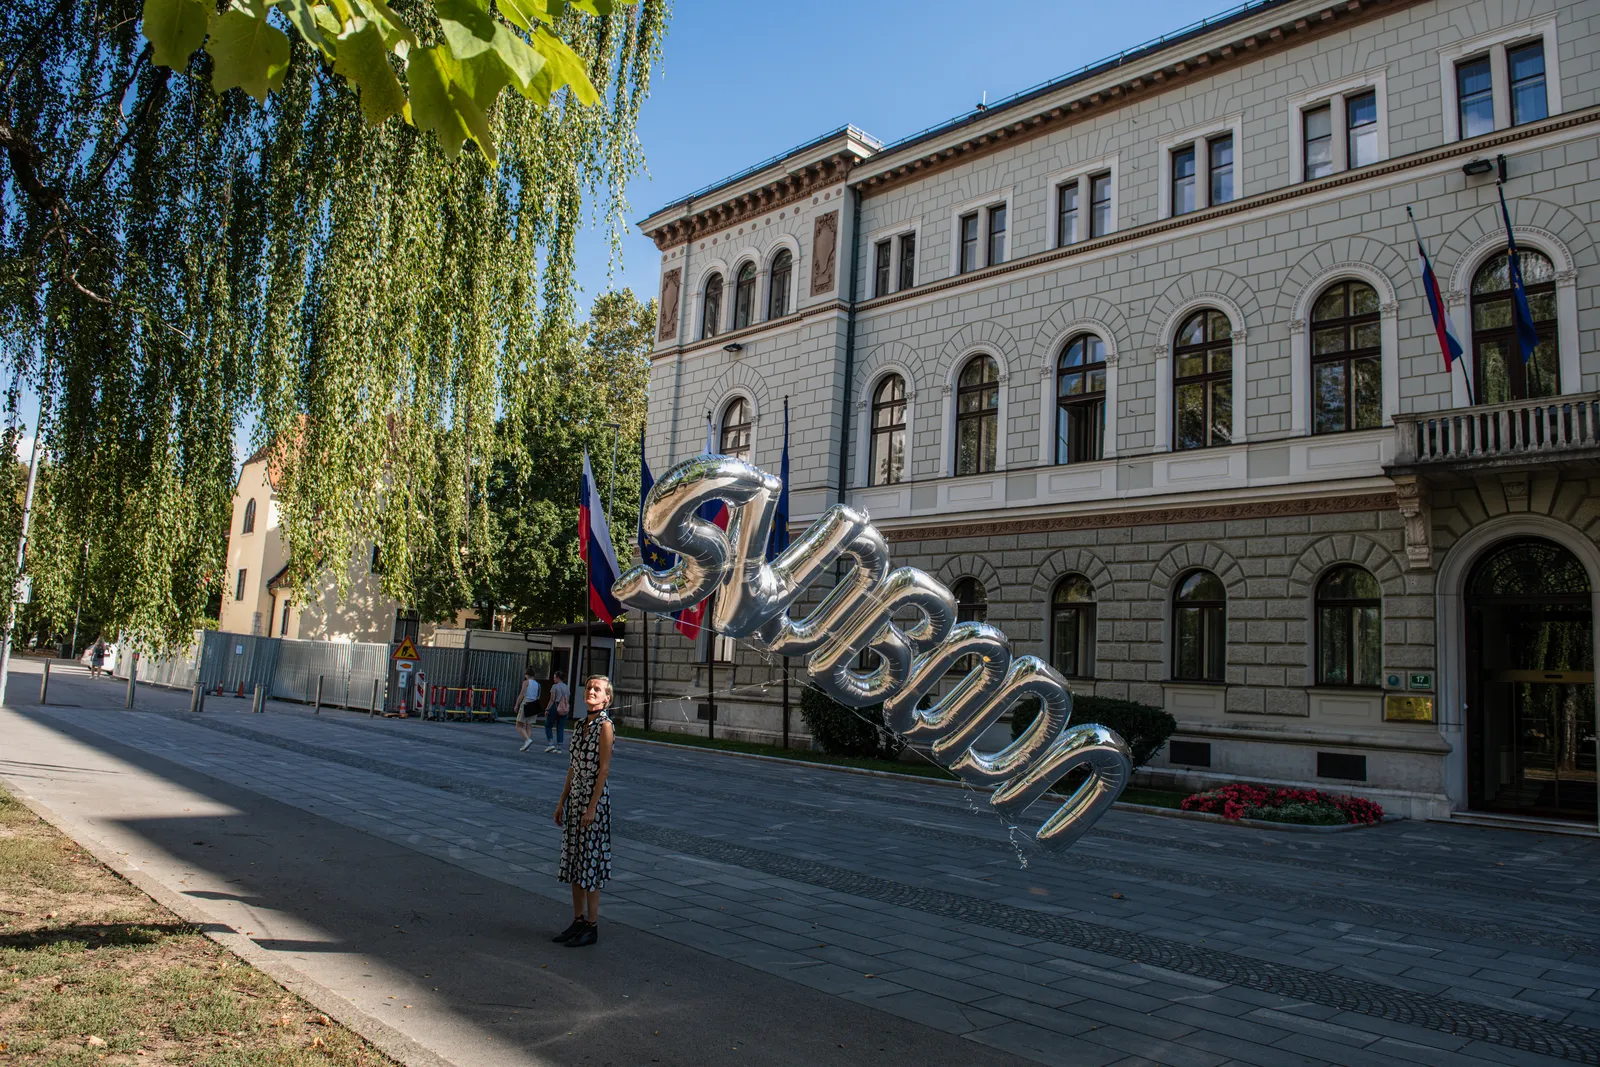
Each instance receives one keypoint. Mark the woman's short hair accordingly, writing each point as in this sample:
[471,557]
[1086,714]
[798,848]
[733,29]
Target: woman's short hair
[610,689]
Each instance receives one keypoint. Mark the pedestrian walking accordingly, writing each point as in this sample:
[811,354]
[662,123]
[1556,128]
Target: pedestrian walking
[97,657]
[555,713]
[529,709]
[584,814]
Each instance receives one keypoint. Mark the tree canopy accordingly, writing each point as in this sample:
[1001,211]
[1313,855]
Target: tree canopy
[179,260]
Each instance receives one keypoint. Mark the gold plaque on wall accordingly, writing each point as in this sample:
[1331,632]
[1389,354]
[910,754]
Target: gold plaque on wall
[1407,709]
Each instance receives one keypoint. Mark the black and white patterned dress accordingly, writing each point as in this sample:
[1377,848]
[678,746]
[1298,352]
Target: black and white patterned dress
[586,851]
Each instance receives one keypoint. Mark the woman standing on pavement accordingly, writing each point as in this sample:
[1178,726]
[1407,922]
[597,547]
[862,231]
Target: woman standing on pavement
[529,708]
[584,814]
[97,657]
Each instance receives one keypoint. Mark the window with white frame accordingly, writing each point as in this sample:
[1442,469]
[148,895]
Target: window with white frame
[1196,168]
[1084,206]
[997,234]
[894,260]
[981,237]
[778,284]
[887,462]
[744,296]
[1339,127]
[711,312]
[1500,79]
[968,237]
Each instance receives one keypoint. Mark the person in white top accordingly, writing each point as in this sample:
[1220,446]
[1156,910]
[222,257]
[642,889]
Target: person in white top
[556,712]
[529,709]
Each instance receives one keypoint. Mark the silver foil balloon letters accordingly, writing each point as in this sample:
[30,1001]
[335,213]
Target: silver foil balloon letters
[904,615]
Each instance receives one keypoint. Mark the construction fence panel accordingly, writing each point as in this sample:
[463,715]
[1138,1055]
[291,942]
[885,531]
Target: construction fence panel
[460,667]
[236,663]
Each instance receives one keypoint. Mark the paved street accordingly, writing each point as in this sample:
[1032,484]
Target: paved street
[765,912]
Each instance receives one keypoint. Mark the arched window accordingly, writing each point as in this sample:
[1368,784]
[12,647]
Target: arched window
[711,313]
[1202,381]
[972,605]
[1081,400]
[778,286]
[1346,360]
[977,415]
[249,525]
[888,431]
[1502,375]
[735,437]
[1349,628]
[1072,627]
[1199,629]
[744,297]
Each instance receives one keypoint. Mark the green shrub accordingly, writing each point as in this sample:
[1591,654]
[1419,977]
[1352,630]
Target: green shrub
[843,731]
[1302,813]
[1143,726]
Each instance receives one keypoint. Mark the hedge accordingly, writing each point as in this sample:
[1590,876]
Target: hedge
[843,731]
[1143,726]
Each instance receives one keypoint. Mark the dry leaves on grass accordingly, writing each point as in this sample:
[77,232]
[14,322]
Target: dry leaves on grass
[92,970]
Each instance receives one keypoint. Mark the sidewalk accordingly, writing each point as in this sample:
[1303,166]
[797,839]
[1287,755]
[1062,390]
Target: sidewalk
[795,909]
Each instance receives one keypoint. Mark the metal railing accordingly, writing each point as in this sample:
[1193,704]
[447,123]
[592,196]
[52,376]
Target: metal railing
[1519,428]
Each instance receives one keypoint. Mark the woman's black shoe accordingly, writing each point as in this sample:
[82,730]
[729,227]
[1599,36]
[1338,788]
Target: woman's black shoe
[586,936]
[570,932]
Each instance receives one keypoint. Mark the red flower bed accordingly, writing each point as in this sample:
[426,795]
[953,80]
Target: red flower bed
[1242,801]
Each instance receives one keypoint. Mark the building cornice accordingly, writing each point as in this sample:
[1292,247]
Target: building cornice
[779,191]
[750,333]
[1156,516]
[1049,111]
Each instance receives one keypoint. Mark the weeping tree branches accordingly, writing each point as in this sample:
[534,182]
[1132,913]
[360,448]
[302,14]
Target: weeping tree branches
[179,263]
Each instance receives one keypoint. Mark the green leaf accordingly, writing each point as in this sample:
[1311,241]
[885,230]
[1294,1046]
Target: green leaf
[446,95]
[249,53]
[397,36]
[597,8]
[475,36]
[311,20]
[528,13]
[363,61]
[562,67]
[174,28]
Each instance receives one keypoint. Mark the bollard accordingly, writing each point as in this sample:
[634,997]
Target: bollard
[258,702]
[317,708]
[133,679]
[197,697]
[44,684]
[372,709]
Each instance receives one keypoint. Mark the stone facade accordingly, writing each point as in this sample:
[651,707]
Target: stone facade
[1268,513]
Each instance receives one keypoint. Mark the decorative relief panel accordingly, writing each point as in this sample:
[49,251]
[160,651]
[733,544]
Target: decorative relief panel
[671,284]
[824,250]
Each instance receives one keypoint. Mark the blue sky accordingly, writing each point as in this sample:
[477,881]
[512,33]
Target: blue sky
[740,82]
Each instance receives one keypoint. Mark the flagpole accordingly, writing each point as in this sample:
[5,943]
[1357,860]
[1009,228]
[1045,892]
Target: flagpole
[580,646]
[1466,379]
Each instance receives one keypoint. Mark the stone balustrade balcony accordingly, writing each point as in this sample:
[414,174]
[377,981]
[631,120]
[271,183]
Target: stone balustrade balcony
[1517,435]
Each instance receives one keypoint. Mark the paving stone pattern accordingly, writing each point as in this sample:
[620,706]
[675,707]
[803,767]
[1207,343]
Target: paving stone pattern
[1152,940]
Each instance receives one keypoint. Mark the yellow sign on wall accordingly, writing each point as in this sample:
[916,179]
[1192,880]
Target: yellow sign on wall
[1407,709]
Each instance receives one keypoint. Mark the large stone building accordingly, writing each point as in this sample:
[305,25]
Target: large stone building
[1140,364]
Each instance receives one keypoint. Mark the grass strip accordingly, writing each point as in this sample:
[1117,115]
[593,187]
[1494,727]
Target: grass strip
[92,971]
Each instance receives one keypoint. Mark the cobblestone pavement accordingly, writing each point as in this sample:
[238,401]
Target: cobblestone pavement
[1152,940]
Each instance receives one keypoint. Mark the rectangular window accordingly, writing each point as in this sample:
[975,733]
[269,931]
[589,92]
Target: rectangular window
[1526,66]
[1475,96]
[377,560]
[1183,180]
[1221,149]
[880,273]
[406,624]
[1066,214]
[908,260]
[283,627]
[997,234]
[1099,204]
[238,589]
[969,243]
[1361,128]
[1319,142]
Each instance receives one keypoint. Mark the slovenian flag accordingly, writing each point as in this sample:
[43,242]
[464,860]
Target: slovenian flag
[594,545]
[1449,344]
[691,620]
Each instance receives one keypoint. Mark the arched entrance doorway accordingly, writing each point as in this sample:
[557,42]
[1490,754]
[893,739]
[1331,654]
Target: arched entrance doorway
[1530,683]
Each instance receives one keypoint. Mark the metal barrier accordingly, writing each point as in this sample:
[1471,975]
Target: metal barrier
[460,668]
